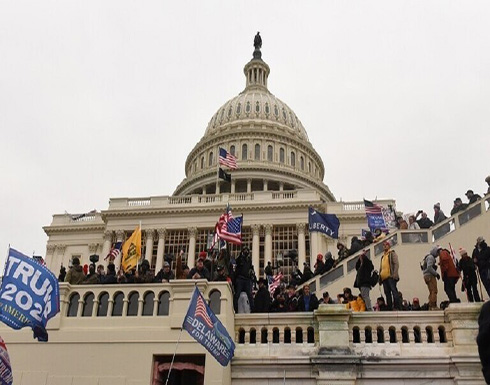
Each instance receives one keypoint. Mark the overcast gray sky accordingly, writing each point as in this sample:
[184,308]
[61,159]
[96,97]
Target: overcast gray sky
[103,99]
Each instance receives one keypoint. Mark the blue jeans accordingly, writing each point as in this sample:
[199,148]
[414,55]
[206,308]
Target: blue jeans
[391,292]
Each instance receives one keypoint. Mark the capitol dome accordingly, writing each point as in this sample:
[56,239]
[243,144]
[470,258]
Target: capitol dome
[271,145]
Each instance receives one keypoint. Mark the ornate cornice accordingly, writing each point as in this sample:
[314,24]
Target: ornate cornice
[50,230]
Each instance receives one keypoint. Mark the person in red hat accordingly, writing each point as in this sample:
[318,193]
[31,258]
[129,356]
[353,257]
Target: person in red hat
[319,265]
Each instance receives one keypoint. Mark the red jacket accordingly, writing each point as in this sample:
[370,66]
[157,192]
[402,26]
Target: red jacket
[447,265]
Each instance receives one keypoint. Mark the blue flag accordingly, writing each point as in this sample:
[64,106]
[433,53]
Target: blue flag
[203,325]
[374,214]
[29,295]
[327,224]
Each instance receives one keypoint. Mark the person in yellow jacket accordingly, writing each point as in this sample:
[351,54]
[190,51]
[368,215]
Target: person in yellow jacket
[388,276]
[354,303]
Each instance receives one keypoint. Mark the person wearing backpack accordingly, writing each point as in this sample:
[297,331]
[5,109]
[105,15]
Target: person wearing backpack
[364,268]
[431,276]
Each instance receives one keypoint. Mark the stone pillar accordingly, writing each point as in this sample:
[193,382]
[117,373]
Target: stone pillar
[107,247]
[313,248]
[191,258]
[281,186]
[233,186]
[149,244]
[300,227]
[50,249]
[120,235]
[218,186]
[60,253]
[160,249]
[249,185]
[256,249]
[266,185]
[268,244]
[336,363]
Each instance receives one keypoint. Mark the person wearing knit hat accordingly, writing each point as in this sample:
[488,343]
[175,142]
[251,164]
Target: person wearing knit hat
[439,215]
[203,255]
[319,265]
[430,275]
[481,257]
[470,281]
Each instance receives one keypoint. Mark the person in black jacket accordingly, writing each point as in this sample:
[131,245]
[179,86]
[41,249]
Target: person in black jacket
[307,301]
[355,245]
[110,277]
[243,280]
[470,281]
[481,257]
[319,265]
[329,261]
[262,301]
[483,340]
[364,268]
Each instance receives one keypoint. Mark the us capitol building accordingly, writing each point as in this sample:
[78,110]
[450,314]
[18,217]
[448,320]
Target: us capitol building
[127,334]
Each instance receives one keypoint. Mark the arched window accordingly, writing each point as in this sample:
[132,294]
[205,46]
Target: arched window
[442,334]
[405,337]
[287,335]
[430,334]
[118,304]
[232,150]
[275,336]
[293,159]
[269,153]
[356,335]
[310,335]
[202,162]
[263,336]
[380,334]
[392,332]
[257,152]
[215,301]
[417,335]
[241,336]
[281,155]
[148,302]
[368,335]
[302,163]
[103,305]
[133,303]
[253,336]
[210,163]
[163,303]
[309,167]
[244,151]
[88,305]
[73,305]
[299,335]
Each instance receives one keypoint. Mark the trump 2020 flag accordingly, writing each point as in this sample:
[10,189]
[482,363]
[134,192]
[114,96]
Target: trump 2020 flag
[327,224]
[203,325]
[29,295]
[6,377]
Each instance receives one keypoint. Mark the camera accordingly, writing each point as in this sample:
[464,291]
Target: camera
[94,258]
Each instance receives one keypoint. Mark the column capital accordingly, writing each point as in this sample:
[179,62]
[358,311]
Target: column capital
[268,229]
[92,248]
[120,235]
[149,233]
[192,231]
[300,227]
[161,233]
[61,248]
[50,249]
[255,229]
[108,235]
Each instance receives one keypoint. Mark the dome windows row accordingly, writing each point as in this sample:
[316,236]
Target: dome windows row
[246,154]
[255,109]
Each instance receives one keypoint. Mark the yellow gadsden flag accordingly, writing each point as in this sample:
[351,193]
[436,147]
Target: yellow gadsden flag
[131,250]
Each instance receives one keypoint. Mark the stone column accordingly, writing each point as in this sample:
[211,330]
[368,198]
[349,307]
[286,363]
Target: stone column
[120,235]
[191,258]
[50,249]
[249,185]
[60,253]
[233,186]
[268,244]
[149,244]
[266,185]
[300,227]
[256,249]
[281,186]
[313,248]
[335,363]
[218,187]
[160,249]
[107,246]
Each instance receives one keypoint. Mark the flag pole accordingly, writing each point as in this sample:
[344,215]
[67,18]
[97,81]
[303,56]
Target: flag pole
[173,357]
[138,259]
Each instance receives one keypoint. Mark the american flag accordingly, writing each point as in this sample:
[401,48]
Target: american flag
[228,228]
[372,208]
[202,313]
[274,282]
[226,159]
[115,252]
